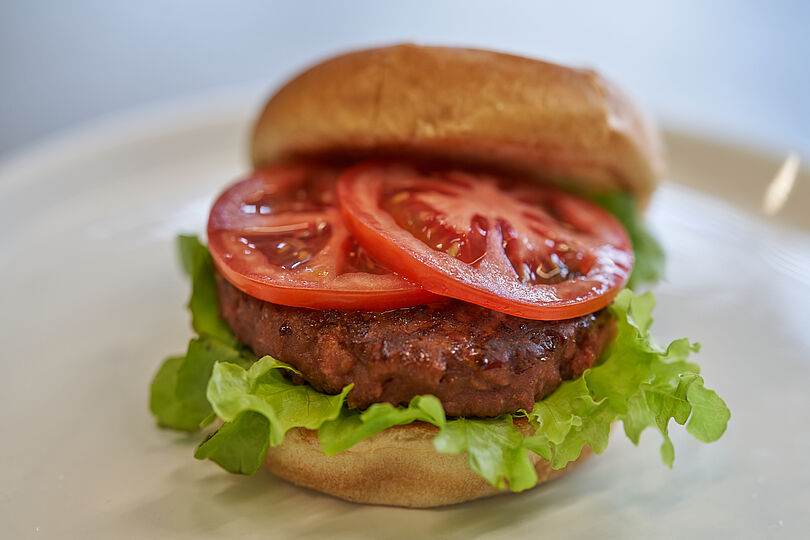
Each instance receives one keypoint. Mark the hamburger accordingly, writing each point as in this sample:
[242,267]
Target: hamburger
[421,294]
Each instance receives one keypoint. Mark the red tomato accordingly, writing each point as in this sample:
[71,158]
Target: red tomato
[278,236]
[519,248]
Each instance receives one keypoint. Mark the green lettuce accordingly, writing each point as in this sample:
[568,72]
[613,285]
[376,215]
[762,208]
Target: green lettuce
[178,399]
[259,405]
[239,446]
[198,265]
[649,255]
[178,394]
[636,382]
[494,448]
[353,426]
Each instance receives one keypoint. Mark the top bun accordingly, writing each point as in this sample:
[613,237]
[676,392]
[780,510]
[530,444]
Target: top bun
[467,105]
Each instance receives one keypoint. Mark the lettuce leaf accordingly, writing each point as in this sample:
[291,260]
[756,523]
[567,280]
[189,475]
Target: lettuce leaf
[197,263]
[494,447]
[178,398]
[259,406]
[238,446]
[178,392]
[262,388]
[635,382]
[650,259]
[566,421]
[352,426]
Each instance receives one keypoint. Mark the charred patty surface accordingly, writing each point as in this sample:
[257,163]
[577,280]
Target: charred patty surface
[478,362]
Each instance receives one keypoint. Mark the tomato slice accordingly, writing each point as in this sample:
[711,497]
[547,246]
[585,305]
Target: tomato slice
[516,247]
[278,236]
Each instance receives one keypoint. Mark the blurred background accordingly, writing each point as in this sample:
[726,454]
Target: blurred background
[730,69]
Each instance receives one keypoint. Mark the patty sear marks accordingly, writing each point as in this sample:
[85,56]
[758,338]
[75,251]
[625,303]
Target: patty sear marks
[478,362]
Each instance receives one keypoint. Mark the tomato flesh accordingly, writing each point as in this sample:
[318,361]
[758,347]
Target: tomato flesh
[278,236]
[520,248]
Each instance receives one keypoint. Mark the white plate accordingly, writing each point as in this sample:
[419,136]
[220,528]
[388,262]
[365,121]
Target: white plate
[92,300]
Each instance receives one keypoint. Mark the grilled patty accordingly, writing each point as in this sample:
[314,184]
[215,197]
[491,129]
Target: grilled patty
[478,362]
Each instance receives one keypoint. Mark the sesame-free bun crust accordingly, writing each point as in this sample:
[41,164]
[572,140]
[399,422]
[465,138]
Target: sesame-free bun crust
[465,105]
[397,467]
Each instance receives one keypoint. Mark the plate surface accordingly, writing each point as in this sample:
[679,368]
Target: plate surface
[92,300]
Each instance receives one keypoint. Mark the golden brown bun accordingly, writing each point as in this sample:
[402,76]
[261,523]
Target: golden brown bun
[468,105]
[397,467]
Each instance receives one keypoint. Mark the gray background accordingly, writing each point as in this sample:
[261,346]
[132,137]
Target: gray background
[731,69]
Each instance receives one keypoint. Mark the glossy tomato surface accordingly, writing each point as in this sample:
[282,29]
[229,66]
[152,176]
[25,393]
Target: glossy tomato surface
[278,236]
[520,248]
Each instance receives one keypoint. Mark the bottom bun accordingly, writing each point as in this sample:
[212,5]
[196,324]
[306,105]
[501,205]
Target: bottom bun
[397,467]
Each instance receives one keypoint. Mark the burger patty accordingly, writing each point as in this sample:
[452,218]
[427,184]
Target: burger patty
[478,362]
